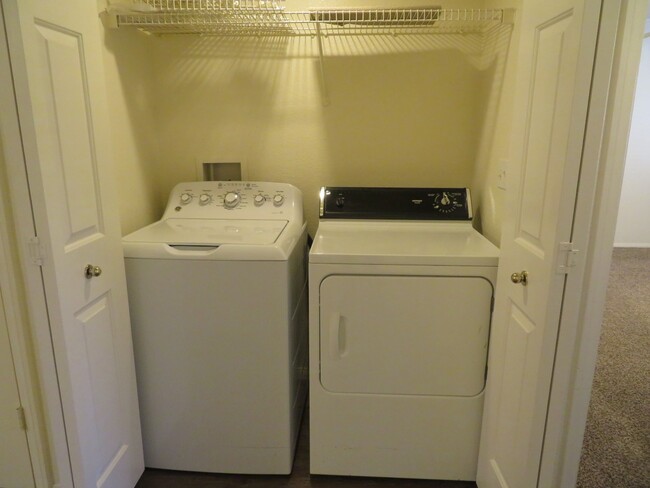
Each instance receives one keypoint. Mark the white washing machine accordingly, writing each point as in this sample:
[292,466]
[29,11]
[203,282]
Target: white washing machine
[217,292]
[401,293]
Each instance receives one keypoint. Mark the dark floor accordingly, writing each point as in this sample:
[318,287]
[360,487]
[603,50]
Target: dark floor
[299,478]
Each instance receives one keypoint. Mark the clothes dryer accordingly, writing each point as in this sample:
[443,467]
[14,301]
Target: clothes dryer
[401,296]
[217,292]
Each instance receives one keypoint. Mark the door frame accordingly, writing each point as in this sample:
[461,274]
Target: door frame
[596,214]
[25,299]
[17,367]
[599,189]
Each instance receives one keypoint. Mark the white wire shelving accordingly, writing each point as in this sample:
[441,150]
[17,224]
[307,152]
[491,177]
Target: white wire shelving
[268,18]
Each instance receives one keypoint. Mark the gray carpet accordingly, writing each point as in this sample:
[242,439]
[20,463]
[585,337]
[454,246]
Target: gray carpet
[616,449]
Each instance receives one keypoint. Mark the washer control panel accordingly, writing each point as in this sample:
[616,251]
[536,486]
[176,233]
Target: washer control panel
[234,199]
[395,203]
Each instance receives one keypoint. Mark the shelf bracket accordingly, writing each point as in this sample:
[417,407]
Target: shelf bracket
[323,86]
[508,16]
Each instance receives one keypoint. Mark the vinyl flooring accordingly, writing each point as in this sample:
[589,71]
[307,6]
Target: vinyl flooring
[299,478]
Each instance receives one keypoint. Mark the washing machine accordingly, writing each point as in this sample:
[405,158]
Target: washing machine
[217,292]
[401,294]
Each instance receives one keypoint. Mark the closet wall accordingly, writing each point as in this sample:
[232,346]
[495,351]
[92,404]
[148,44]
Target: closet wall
[409,110]
[129,83]
[633,226]
[495,152]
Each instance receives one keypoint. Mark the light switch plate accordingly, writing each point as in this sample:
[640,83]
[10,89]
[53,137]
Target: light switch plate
[502,174]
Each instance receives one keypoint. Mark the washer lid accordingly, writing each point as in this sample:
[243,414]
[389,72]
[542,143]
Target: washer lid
[209,232]
[374,242]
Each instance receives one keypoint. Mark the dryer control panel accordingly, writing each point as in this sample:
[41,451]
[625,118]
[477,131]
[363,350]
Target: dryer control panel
[234,200]
[395,203]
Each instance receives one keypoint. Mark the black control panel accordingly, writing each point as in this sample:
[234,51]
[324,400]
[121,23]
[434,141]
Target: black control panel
[395,203]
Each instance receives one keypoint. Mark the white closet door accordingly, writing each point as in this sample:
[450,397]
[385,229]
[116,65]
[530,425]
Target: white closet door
[555,63]
[56,55]
[424,335]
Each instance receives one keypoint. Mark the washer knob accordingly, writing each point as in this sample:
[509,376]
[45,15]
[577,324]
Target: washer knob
[205,198]
[259,200]
[278,200]
[231,200]
[186,198]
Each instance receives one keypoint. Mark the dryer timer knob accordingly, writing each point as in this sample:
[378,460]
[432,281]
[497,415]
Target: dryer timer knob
[186,198]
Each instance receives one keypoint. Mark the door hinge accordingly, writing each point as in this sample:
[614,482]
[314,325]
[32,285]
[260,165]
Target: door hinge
[567,257]
[22,421]
[35,250]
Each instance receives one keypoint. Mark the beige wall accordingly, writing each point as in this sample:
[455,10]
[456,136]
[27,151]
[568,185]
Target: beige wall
[129,79]
[632,231]
[495,143]
[394,119]
[408,111]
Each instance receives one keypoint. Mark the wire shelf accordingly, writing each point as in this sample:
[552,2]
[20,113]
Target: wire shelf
[268,18]
[198,6]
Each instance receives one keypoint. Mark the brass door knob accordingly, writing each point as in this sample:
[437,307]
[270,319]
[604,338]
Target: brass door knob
[91,270]
[520,278]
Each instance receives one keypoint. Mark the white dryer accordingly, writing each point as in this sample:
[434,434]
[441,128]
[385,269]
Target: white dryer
[401,293]
[217,292]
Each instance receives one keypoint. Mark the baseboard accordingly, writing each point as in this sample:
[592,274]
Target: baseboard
[632,244]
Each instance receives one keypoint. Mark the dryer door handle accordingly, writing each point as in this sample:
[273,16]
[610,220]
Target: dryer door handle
[338,343]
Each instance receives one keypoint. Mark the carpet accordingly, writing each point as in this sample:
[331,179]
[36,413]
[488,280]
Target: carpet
[616,448]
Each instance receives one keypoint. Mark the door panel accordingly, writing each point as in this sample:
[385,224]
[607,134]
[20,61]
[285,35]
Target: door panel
[557,48]
[68,130]
[423,335]
[99,377]
[59,84]
[543,126]
[518,337]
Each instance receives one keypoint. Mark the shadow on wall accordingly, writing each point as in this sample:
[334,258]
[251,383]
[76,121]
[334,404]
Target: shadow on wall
[488,199]
[402,119]
[404,111]
[215,98]
[135,143]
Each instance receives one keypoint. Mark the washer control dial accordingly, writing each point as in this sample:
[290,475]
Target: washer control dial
[259,200]
[205,198]
[186,198]
[278,199]
[231,200]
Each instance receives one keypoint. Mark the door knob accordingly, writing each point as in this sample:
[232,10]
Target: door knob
[520,278]
[91,270]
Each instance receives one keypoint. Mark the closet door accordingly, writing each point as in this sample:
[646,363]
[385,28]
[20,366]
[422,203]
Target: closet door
[56,55]
[15,463]
[554,72]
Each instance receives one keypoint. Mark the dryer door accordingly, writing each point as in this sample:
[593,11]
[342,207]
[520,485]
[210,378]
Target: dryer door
[418,335]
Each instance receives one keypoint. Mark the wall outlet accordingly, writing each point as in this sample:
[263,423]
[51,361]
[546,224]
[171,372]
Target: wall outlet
[502,173]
